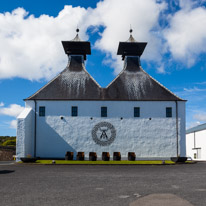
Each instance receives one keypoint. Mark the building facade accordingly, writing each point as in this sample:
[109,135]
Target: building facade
[134,113]
[196,142]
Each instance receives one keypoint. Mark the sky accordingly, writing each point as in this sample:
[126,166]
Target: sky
[31,52]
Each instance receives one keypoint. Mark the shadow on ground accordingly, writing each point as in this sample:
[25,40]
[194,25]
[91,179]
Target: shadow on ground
[6,171]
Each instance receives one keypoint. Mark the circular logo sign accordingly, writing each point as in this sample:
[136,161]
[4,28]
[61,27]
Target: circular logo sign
[103,133]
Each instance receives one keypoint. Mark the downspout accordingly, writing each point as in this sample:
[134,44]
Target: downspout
[177,129]
[194,140]
[35,130]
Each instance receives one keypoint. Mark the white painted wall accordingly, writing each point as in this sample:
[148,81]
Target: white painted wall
[147,138]
[196,140]
[182,140]
[25,133]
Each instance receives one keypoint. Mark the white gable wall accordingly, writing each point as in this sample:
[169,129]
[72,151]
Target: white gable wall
[25,133]
[196,140]
[147,138]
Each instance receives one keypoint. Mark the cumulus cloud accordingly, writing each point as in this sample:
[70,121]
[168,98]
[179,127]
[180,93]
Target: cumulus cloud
[186,34]
[117,16]
[13,110]
[1,104]
[31,48]
[13,124]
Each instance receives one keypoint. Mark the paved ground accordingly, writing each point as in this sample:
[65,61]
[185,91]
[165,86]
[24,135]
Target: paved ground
[135,185]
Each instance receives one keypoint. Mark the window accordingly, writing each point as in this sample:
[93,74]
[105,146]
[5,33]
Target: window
[74,111]
[41,111]
[103,111]
[136,112]
[169,112]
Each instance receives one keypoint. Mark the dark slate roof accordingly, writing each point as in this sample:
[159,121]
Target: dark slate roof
[133,83]
[196,129]
[74,83]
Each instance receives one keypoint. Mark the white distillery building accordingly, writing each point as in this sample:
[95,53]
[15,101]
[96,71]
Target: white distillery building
[134,113]
[196,142]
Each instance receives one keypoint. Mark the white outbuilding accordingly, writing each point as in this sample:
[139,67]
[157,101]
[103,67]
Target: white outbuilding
[196,142]
[134,113]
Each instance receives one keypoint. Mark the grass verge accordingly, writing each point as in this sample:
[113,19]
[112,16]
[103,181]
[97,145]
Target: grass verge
[111,162]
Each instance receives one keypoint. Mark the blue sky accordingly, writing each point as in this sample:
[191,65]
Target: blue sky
[31,52]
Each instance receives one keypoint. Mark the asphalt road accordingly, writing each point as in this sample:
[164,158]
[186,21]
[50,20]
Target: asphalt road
[82,185]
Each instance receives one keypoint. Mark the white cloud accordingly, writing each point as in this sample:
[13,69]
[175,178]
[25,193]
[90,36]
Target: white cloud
[200,117]
[13,110]
[194,89]
[186,35]
[1,104]
[201,83]
[31,47]
[193,124]
[187,4]
[161,69]
[117,16]
[13,124]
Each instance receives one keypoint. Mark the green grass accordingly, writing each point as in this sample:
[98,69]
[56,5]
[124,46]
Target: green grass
[111,162]
[7,141]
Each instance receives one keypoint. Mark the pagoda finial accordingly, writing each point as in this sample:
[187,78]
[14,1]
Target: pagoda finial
[77,35]
[131,38]
[130,31]
[77,30]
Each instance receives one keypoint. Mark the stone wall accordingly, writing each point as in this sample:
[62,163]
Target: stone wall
[6,153]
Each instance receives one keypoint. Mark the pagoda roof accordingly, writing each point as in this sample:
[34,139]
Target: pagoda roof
[131,47]
[73,83]
[134,84]
[77,46]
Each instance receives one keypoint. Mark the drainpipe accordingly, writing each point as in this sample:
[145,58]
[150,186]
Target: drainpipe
[194,140]
[35,130]
[177,133]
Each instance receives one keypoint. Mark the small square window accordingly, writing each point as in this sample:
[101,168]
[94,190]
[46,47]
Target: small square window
[41,111]
[136,112]
[103,111]
[169,112]
[74,111]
